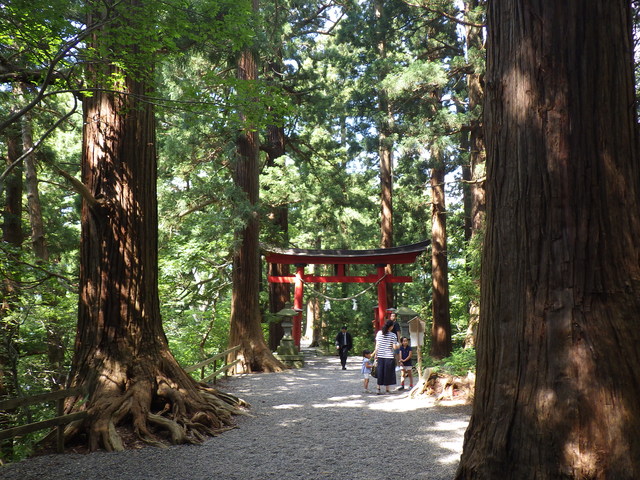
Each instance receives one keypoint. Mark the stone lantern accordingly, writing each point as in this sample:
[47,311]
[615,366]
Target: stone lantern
[287,351]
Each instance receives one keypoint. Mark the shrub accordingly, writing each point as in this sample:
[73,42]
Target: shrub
[460,362]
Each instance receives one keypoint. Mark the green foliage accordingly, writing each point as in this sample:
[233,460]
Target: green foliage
[32,31]
[356,315]
[460,362]
[195,335]
[324,90]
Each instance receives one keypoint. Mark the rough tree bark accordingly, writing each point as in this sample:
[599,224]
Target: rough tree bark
[38,240]
[475,204]
[246,328]
[314,324]
[121,352]
[558,373]
[55,331]
[12,231]
[313,332]
[385,149]
[278,299]
[441,327]
[279,293]
[13,235]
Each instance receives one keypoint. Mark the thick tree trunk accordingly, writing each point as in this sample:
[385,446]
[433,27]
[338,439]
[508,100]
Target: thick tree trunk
[246,327]
[558,382]
[121,352]
[13,235]
[55,331]
[441,327]
[386,218]
[314,315]
[477,154]
[385,149]
[38,241]
[279,293]
[476,205]
[12,231]
[313,332]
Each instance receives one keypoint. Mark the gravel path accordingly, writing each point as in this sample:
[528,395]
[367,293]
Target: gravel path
[314,423]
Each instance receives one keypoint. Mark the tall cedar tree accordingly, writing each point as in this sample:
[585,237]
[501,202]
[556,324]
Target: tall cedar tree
[12,234]
[473,173]
[385,146]
[558,382]
[441,344]
[274,147]
[246,328]
[55,330]
[121,352]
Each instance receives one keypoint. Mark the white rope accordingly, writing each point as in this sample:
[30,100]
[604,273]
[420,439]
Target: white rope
[320,294]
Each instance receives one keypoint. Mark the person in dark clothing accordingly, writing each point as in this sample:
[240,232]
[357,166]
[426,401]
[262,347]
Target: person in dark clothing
[406,363]
[344,343]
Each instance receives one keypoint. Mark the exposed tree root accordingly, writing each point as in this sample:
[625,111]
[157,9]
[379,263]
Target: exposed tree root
[256,357]
[178,435]
[156,406]
[447,387]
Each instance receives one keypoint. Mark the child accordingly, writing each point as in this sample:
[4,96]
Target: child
[366,369]
[406,363]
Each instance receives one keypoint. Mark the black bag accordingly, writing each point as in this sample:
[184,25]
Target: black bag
[374,371]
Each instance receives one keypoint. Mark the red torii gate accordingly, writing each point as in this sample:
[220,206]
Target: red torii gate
[380,257]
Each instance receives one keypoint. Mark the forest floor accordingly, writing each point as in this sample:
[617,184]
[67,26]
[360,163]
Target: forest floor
[313,423]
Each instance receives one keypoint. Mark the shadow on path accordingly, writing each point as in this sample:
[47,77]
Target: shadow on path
[314,423]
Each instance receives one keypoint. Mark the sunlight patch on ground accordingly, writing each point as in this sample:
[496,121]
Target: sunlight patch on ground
[292,422]
[351,403]
[453,446]
[445,440]
[391,403]
[284,388]
[343,399]
[452,459]
[387,403]
[287,406]
[450,425]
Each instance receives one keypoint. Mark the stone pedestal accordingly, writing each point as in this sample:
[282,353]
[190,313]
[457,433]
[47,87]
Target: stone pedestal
[288,353]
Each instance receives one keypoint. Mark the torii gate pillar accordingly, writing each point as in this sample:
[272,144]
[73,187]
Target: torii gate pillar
[298,295]
[382,296]
[380,257]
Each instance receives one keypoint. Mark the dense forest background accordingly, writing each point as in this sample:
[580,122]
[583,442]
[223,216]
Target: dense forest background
[368,116]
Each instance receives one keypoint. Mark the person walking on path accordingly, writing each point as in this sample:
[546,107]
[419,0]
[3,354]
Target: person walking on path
[344,343]
[386,342]
[406,362]
[367,363]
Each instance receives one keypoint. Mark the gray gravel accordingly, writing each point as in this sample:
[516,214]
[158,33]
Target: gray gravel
[314,423]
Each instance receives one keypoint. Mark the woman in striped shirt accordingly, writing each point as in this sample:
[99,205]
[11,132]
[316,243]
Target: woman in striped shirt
[386,342]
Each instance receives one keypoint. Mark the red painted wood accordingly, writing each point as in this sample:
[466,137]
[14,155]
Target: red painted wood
[382,297]
[296,331]
[339,279]
[340,258]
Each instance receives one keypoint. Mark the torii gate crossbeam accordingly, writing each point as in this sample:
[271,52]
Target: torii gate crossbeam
[379,257]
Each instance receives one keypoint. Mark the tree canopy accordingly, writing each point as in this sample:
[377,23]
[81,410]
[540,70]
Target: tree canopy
[338,84]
